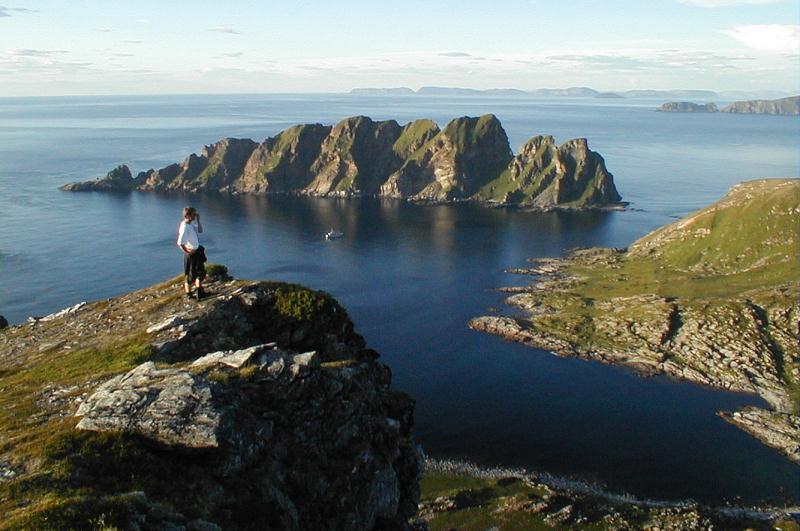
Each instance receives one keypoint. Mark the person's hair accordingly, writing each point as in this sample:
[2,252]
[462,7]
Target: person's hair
[189,211]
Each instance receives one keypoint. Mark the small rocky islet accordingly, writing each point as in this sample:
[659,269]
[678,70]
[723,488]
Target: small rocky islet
[783,106]
[469,160]
[713,298]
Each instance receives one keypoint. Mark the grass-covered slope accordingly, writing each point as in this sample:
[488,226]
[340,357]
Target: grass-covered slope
[462,496]
[282,163]
[712,298]
[544,174]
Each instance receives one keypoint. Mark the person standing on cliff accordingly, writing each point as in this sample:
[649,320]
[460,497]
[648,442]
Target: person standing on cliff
[194,255]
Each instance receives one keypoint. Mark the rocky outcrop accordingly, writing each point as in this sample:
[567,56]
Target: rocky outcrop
[706,299]
[469,160]
[3,322]
[282,163]
[499,498]
[455,163]
[117,180]
[544,174]
[686,106]
[258,407]
[215,169]
[785,106]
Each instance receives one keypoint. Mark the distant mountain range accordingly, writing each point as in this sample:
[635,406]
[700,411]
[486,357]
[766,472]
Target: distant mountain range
[571,92]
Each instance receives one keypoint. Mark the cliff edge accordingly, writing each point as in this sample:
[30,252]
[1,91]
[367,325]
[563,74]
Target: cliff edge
[259,407]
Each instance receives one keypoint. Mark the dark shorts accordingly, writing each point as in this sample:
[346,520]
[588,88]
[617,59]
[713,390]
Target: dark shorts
[193,265]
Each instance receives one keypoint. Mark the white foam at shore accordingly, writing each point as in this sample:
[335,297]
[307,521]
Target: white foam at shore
[466,468]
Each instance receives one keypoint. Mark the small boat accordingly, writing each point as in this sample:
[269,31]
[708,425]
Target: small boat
[334,235]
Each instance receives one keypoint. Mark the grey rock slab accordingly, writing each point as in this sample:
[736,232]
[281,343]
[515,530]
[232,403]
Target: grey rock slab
[170,322]
[169,405]
[234,358]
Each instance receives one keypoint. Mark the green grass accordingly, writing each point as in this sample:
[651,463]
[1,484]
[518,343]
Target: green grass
[30,433]
[412,135]
[465,132]
[480,500]
[301,304]
[717,266]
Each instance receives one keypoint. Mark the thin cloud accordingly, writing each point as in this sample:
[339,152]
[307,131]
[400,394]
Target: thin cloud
[773,38]
[224,29]
[233,54]
[103,30]
[454,54]
[29,52]
[131,42]
[726,3]
[6,11]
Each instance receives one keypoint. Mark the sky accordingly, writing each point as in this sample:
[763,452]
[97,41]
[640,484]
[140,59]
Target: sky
[50,47]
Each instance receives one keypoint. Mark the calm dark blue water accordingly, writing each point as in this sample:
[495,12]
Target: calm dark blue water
[411,276]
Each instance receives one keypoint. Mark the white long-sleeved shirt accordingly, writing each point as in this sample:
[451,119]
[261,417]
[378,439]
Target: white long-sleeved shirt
[187,235]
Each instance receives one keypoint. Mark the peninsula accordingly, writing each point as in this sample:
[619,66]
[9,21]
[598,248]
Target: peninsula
[469,160]
[712,298]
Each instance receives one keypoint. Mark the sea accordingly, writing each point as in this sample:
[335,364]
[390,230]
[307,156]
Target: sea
[412,276]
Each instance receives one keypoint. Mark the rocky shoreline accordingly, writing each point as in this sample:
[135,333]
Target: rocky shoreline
[708,299]
[646,338]
[505,496]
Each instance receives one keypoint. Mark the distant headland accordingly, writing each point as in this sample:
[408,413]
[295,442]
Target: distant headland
[469,160]
[784,106]
[570,92]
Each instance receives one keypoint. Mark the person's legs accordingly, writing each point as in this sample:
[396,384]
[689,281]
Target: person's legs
[196,275]
[187,274]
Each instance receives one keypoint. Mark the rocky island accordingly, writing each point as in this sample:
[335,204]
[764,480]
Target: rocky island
[687,106]
[469,160]
[713,298]
[784,106]
[259,407]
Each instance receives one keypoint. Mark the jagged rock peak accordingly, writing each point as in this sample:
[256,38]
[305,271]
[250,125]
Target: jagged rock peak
[468,160]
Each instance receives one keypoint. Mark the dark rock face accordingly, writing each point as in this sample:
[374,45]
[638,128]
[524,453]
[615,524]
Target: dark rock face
[117,180]
[687,106]
[455,163]
[322,448]
[3,322]
[785,106]
[469,159]
[544,175]
[282,163]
